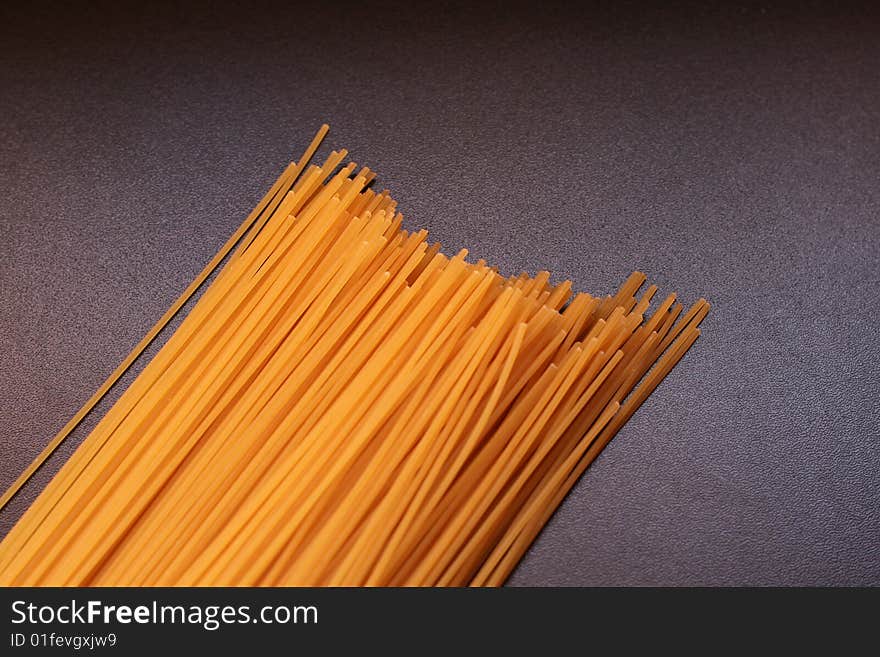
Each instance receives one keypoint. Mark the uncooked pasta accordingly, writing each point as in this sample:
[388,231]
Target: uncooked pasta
[346,404]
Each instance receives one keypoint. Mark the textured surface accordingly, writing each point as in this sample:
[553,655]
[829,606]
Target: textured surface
[733,154]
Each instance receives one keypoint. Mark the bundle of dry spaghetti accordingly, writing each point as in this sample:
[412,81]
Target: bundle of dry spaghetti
[346,405]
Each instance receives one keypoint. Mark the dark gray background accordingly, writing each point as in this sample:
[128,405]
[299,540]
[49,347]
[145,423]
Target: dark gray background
[729,153]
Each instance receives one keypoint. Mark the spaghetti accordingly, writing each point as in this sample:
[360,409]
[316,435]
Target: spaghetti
[346,405]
